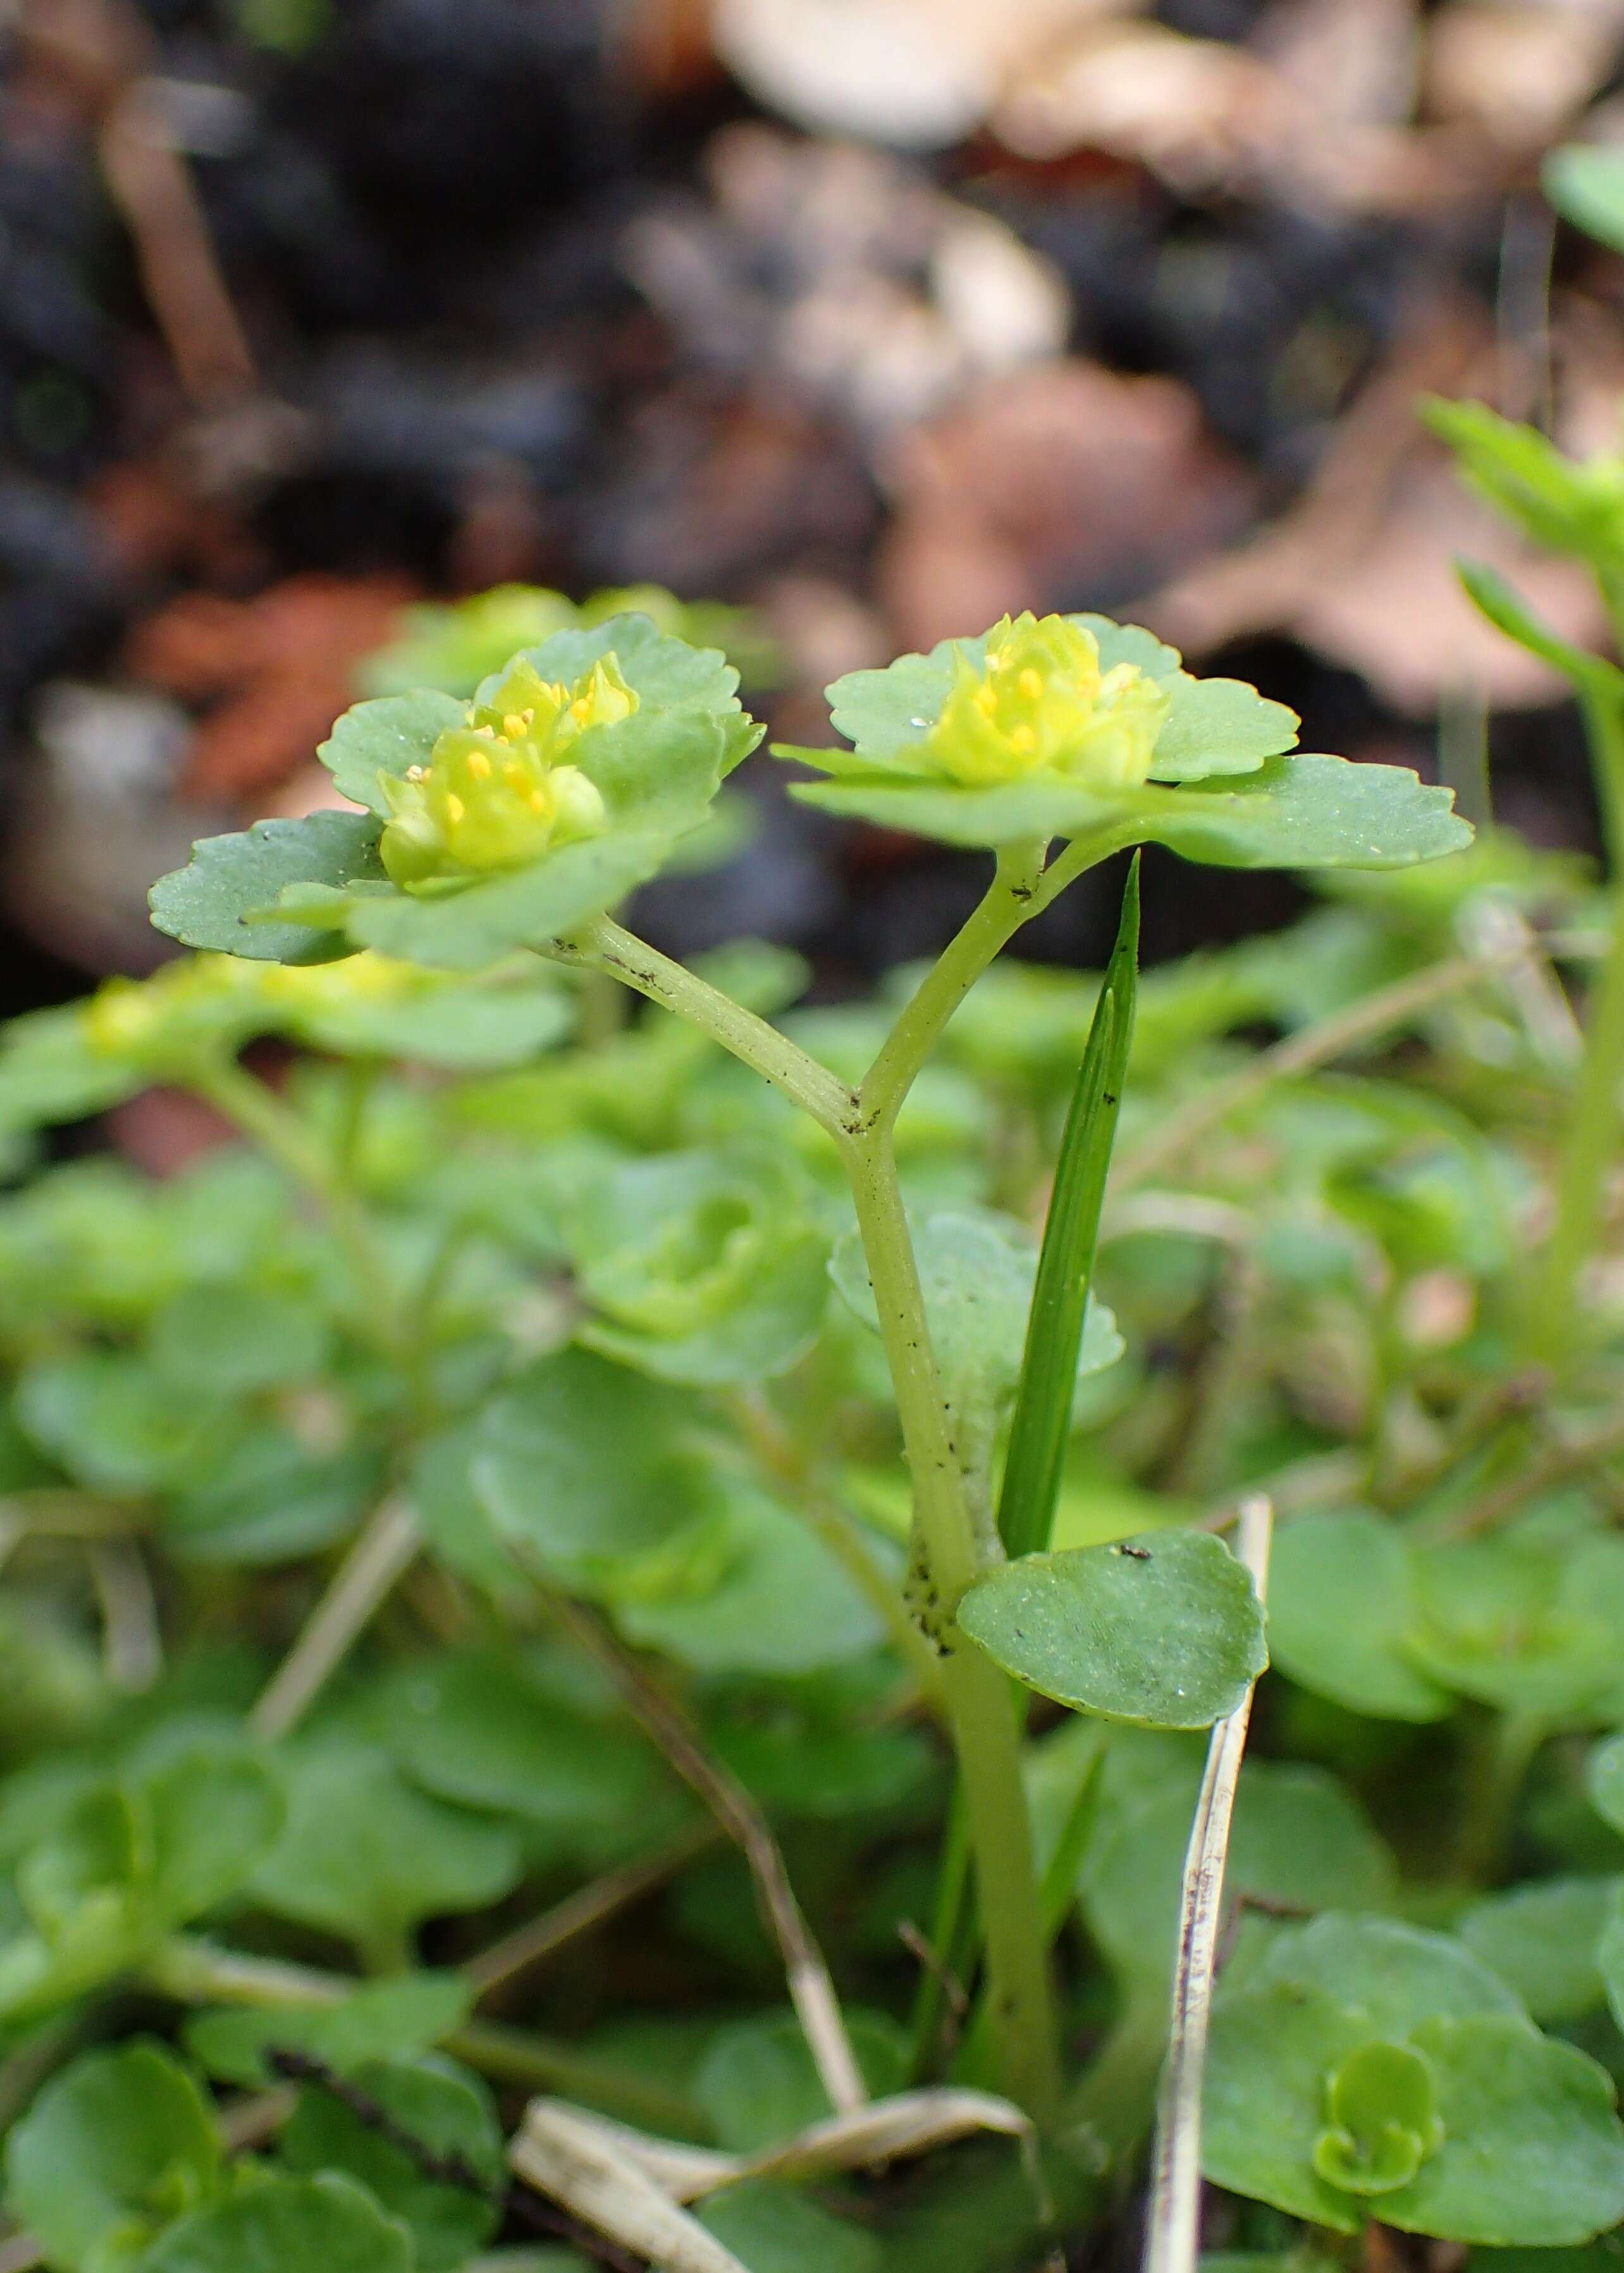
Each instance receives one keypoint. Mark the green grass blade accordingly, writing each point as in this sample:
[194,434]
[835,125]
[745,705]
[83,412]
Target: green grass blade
[1041,1423]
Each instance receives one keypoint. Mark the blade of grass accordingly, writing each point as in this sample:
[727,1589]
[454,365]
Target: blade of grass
[1043,1416]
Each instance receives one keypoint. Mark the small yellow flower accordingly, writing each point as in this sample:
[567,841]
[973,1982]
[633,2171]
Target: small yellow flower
[195,1003]
[499,792]
[1041,704]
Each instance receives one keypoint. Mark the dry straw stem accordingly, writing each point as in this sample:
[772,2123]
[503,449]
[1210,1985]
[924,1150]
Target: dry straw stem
[587,1908]
[812,1990]
[385,1547]
[1172,2238]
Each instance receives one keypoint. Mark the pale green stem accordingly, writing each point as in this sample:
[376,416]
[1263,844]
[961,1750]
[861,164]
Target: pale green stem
[1591,1139]
[603,946]
[195,1972]
[383,1548]
[981,1705]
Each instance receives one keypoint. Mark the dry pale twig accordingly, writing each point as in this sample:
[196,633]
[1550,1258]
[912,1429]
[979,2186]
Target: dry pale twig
[812,1990]
[1172,2238]
[579,1912]
[570,2160]
[385,1547]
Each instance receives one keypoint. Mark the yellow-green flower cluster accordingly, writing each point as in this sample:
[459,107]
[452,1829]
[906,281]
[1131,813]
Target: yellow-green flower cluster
[501,790]
[1040,703]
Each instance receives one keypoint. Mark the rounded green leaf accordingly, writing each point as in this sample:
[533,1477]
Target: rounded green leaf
[1165,1630]
[1392,1975]
[1508,1622]
[385,736]
[1269,2056]
[487,1730]
[445,2112]
[1604,1781]
[1532,2149]
[1339,1609]
[1306,811]
[1543,1940]
[327,2224]
[366,1855]
[229,1341]
[1298,1842]
[780,1602]
[585,1466]
[232,878]
[115,2148]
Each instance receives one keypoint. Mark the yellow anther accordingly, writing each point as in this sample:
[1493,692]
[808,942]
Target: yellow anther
[1022,737]
[479,765]
[455,807]
[514,775]
[986,702]
[1030,683]
[540,802]
[514,727]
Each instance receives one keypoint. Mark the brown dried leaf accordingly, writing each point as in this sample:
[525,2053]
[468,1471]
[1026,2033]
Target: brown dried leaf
[1520,74]
[1062,479]
[276,669]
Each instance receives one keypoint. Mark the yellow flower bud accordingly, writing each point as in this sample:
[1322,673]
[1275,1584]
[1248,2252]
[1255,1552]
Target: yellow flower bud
[1041,704]
[499,792]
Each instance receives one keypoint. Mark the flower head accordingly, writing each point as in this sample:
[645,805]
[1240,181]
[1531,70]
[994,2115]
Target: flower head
[1040,703]
[500,790]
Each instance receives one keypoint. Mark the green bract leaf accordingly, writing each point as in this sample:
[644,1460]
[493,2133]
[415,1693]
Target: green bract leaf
[367,1857]
[380,2021]
[1165,1630]
[1382,2121]
[232,878]
[287,2226]
[977,1272]
[1340,1607]
[115,2148]
[445,2111]
[385,736]
[642,778]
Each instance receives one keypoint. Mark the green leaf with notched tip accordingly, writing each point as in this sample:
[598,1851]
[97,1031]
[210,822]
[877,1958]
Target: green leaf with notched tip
[232,878]
[1165,1630]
